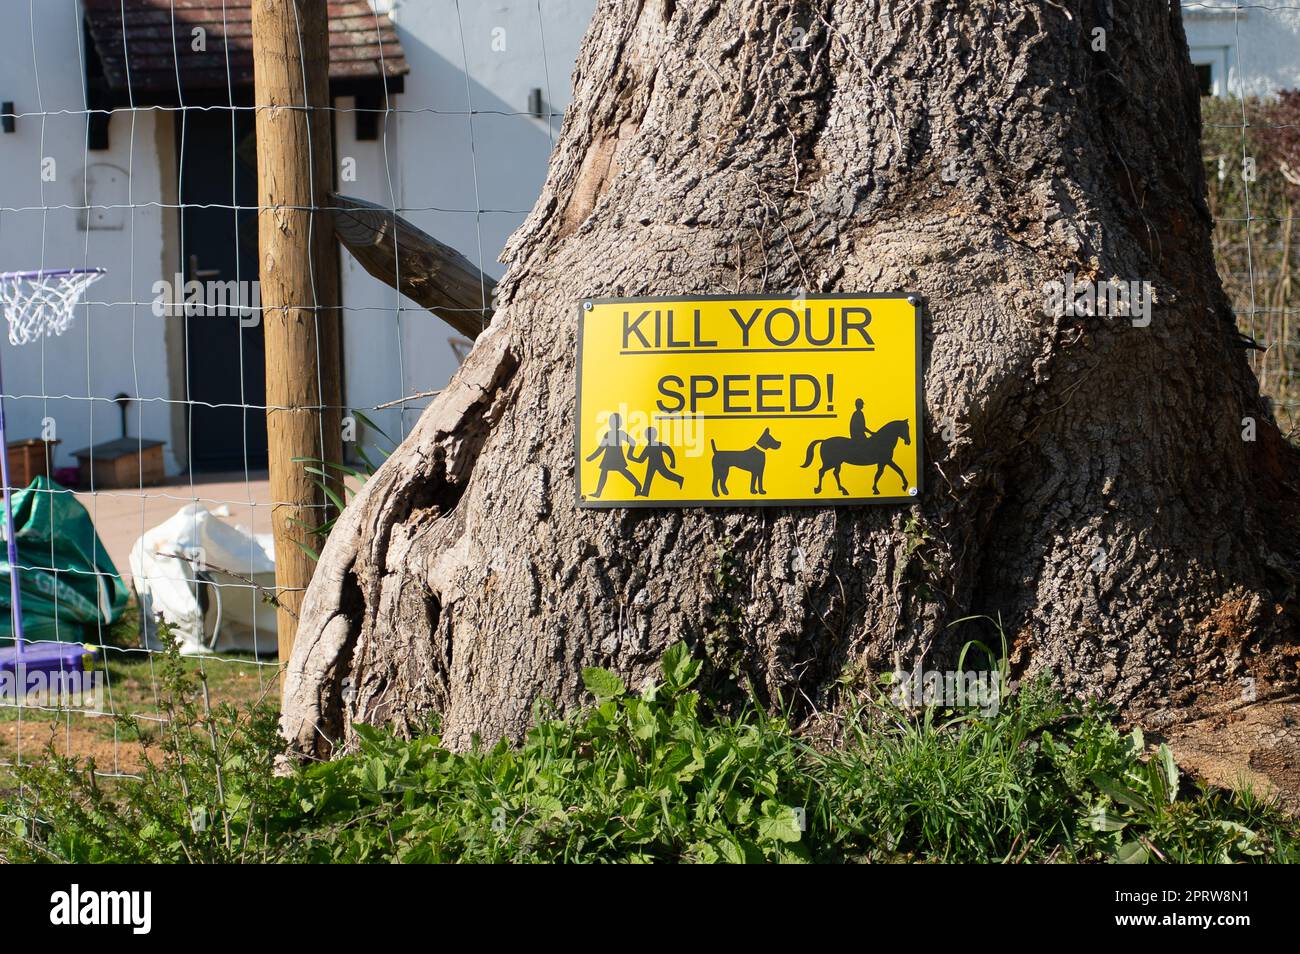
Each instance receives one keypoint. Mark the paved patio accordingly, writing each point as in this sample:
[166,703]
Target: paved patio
[122,516]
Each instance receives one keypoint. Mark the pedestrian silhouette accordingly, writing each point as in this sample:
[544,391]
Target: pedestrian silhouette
[654,455]
[611,456]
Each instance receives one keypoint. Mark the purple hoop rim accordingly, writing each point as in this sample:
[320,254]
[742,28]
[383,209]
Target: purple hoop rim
[52,273]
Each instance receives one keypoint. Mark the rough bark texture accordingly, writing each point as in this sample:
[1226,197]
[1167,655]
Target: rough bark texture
[1088,480]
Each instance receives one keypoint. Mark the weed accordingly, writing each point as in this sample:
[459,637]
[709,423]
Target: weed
[655,775]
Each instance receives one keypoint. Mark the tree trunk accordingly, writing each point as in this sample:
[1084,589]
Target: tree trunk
[1088,479]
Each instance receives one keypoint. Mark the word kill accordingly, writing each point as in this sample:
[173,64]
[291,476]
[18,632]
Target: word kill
[780,327]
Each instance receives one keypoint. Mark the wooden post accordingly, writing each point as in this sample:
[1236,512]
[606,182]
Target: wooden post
[415,263]
[299,275]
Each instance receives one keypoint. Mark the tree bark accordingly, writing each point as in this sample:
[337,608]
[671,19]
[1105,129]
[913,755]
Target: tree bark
[1088,481]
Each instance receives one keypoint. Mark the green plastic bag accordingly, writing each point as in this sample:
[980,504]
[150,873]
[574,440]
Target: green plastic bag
[69,585]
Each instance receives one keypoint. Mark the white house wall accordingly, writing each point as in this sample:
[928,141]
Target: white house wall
[468,191]
[442,174]
[111,348]
[1256,47]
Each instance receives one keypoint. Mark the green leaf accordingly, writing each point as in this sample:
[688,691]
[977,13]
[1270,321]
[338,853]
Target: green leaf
[368,733]
[547,807]
[376,774]
[731,852]
[1236,828]
[680,669]
[1132,853]
[1137,741]
[1171,771]
[643,719]
[334,498]
[705,853]
[1105,821]
[308,550]
[1245,840]
[778,822]
[602,683]
[1118,792]
[372,425]
[319,467]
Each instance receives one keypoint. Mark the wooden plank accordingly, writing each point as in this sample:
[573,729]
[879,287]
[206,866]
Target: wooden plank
[423,269]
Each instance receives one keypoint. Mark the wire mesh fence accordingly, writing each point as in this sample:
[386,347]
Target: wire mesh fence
[1251,148]
[139,435]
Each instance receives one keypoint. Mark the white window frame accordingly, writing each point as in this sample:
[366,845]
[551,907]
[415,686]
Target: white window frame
[1216,58]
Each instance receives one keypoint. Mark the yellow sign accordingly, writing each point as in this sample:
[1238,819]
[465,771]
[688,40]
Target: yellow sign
[723,402]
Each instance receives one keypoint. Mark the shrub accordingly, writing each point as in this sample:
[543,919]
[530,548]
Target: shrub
[1255,231]
[654,775]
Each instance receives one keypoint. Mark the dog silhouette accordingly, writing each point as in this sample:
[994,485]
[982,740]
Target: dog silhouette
[752,460]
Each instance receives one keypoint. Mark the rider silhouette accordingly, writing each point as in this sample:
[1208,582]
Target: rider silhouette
[654,455]
[858,430]
[611,446]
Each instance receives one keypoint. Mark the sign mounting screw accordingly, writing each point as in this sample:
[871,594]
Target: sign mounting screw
[911,491]
[912,300]
[586,306]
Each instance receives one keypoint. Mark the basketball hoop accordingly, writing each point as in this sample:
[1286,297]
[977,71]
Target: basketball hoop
[41,303]
[36,304]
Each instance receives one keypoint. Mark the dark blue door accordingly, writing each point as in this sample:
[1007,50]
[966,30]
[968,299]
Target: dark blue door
[225,362]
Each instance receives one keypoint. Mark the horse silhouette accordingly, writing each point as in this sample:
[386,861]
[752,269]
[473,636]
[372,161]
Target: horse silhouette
[877,449]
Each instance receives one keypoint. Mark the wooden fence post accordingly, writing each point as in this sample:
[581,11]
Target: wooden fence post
[298,266]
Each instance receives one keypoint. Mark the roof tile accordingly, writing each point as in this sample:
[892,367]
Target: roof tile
[363,45]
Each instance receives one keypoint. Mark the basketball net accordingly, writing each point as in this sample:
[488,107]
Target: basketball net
[41,303]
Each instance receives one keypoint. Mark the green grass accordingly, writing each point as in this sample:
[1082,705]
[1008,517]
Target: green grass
[133,690]
[652,776]
[131,680]
[131,685]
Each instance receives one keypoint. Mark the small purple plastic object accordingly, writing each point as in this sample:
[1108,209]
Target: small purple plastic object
[52,661]
[44,657]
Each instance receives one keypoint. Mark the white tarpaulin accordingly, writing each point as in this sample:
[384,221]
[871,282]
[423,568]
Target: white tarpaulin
[206,579]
